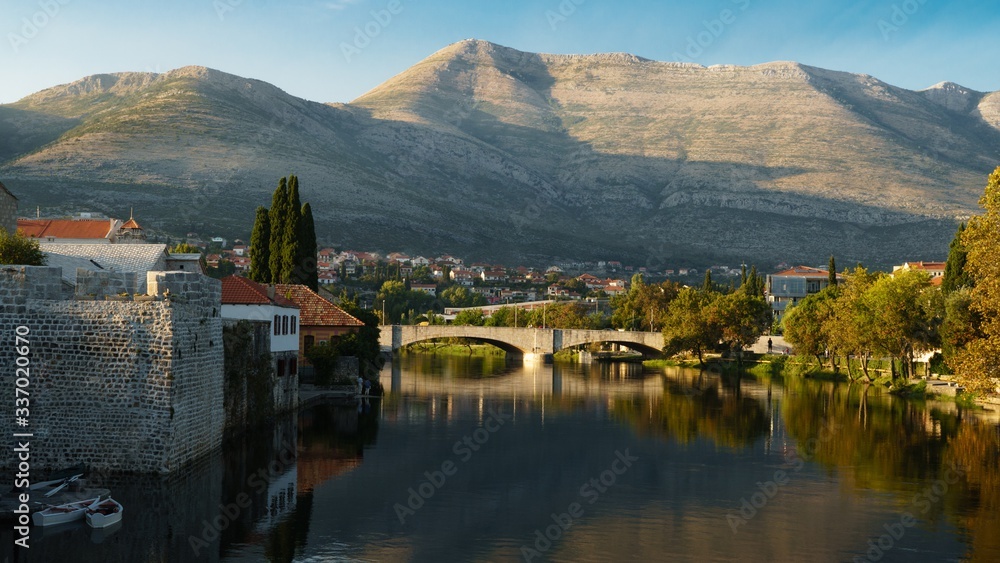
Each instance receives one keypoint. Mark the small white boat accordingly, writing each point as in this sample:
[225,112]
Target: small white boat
[63,513]
[102,514]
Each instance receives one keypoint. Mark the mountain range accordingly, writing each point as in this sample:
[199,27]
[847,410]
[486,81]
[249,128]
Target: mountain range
[488,152]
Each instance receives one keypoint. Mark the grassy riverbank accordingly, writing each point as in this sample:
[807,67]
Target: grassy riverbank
[444,349]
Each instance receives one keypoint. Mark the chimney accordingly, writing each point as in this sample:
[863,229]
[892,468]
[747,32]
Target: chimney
[270,292]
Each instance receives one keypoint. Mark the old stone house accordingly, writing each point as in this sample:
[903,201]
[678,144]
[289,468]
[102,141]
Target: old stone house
[321,320]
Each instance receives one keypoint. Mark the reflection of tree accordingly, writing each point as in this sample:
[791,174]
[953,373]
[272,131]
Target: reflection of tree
[879,440]
[684,413]
[976,448]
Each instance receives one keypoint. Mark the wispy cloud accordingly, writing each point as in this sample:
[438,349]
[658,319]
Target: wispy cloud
[338,5]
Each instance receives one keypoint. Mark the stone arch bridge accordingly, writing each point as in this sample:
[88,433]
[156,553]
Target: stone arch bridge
[523,343]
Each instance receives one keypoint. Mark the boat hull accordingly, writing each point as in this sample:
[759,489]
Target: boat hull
[104,514]
[63,513]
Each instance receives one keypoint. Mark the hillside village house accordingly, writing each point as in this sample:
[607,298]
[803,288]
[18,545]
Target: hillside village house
[934,269]
[8,210]
[787,288]
[244,299]
[84,229]
[319,319]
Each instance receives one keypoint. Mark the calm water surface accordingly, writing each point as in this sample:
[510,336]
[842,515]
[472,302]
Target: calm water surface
[479,460]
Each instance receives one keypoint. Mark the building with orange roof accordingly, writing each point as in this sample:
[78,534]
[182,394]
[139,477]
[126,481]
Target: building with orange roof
[321,320]
[934,269]
[246,300]
[71,231]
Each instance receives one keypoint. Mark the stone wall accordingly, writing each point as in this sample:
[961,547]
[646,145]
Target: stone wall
[116,385]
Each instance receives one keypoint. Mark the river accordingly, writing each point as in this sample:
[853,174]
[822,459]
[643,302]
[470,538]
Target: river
[475,459]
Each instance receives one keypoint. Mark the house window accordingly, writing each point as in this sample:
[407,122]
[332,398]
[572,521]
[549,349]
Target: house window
[281,368]
[293,366]
[310,342]
[294,323]
[277,325]
[284,324]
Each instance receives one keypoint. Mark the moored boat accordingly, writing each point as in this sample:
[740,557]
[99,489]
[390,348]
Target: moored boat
[102,514]
[62,513]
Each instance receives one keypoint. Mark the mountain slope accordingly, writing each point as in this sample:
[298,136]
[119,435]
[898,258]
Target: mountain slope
[493,152]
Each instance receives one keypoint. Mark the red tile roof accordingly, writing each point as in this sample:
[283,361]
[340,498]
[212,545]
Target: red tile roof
[65,228]
[237,290]
[315,311]
[131,224]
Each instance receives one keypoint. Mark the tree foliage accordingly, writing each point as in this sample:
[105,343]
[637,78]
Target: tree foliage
[260,247]
[643,306]
[291,230]
[741,319]
[306,269]
[460,296]
[955,276]
[20,250]
[978,363]
[807,325]
[689,326]
[277,215]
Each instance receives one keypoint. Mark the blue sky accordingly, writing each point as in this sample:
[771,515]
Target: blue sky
[299,45]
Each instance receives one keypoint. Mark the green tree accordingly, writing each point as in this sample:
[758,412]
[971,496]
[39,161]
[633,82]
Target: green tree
[363,344]
[806,326]
[978,364]
[849,328]
[708,284]
[688,324]
[20,250]
[742,319]
[832,271]
[308,249]
[260,247]
[277,215]
[958,328]
[905,316]
[470,317]
[505,316]
[955,276]
[643,306]
[291,266]
[459,296]
[185,248]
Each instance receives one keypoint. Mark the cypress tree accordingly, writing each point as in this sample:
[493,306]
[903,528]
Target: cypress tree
[708,285]
[291,267]
[832,269]
[308,249]
[955,276]
[260,247]
[277,214]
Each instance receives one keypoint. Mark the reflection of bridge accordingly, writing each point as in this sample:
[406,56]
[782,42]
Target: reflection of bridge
[523,342]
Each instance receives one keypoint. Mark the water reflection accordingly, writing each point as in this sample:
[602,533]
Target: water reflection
[369,483]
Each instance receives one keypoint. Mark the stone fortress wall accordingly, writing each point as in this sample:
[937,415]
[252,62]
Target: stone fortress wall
[118,381]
